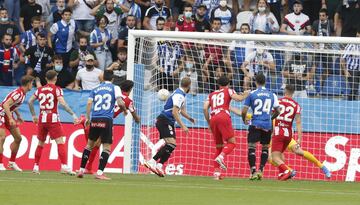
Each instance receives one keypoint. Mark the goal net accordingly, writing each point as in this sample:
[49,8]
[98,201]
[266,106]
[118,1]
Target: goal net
[317,67]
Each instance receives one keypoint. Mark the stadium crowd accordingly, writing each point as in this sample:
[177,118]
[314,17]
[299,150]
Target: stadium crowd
[81,38]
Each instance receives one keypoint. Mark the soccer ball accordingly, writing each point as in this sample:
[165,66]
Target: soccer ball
[163,94]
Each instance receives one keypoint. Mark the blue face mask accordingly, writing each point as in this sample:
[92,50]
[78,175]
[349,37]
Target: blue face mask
[189,65]
[58,68]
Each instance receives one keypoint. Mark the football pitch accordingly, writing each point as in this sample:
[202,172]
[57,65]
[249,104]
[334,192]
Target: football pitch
[53,188]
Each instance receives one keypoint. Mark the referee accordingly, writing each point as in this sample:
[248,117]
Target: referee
[350,64]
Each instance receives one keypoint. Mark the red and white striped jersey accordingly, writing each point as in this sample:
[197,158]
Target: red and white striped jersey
[47,96]
[289,109]
[18,96]
[220,100]
[128,104]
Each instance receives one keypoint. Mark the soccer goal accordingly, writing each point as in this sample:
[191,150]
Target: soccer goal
[316,66]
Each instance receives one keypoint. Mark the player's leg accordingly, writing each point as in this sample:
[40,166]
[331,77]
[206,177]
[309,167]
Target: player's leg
[94,151]
[265,142]
[295,148]
[42,132]
[2,140]
[14,147]
[219,146]
[253,138]
[278,146]
[106,137]
[165,153]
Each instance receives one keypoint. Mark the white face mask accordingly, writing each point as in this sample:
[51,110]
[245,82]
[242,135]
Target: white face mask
[188,14]
[223,3]
[261,9]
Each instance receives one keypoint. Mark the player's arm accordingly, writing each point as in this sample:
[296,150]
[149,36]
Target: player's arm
[206,111]
[6,107]
[67,108]
[32,109]
[18,116]
[240,97]
[176,115]
[186,115]
[136,117]
[88,110]
[298,128]
[243,113]
[276,107]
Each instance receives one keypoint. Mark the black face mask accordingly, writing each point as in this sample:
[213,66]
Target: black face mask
[297,57]
[36,30]
[159,5]
[83,48]
[89,67]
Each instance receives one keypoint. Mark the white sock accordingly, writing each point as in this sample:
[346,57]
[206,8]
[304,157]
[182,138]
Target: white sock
[82,169]
[99,172]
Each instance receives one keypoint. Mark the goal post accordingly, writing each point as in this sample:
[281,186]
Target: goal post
[329,119]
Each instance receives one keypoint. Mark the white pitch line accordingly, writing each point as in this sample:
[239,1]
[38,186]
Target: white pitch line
[178,185]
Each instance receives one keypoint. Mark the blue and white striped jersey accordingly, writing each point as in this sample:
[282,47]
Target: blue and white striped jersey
[352,57]
[28,39]
[177,98]
[64,35]
[169,55]
[262,102]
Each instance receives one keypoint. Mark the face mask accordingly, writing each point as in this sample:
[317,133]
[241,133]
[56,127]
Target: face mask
[60,9]
[89,67]
[4,19]
[188,14]
[58,68]
[261,9]
[83,48]
[297,57]
[36,30]
[7,46]
[159,5]
[189,65]
[223,3]
[200,15]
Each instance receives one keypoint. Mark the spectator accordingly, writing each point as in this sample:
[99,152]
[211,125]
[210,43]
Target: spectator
[228,21]
[275,8]
[350,64]
[38,59]
[100,40]
[28,38]
[299,72]
[129,7]
[237,52]
[201,23]
[188,69]
[312,8]
[13,7]
[323,27]
[112,13]
[9,60]
[160,24]
[154,12]
[123,34]
[45,7]
[64,78]
[56,12]
[77,57]
[88,76]
[210,5]
[6,27]
[345,23]
[263,21]
[259,61]
[144,6]
[27,12]
[186,23]
[216,25]
[81,14]
[119,66]
[64,35]
[296,23]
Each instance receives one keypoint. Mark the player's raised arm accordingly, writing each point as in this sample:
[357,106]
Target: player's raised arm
[206,111]
[276,106]
[32,109]
[240,97]
[186,115]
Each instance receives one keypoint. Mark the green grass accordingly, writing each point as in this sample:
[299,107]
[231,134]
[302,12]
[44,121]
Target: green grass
[53,188]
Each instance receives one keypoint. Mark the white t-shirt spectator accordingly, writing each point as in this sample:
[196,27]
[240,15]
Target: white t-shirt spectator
[154,13]
[81,11]
[261,23]
[254,58]
[89,79]
[296,23]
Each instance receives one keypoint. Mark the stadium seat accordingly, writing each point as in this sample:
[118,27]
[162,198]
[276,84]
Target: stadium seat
[334,85]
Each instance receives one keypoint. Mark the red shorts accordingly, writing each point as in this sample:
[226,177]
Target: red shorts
[281,139]
[221,127]
[55,130]
[4,123]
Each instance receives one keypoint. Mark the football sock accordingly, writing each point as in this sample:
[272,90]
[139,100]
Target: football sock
[217,152]
[229,147]
[169,148]
[159,153]
[85,157]
[103,159]
[13,152]
[38,152]
[282,168]
[62,153]
[1,158]
[272,162]
[92,157]
[264,157]
[312,158]
[252,160]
